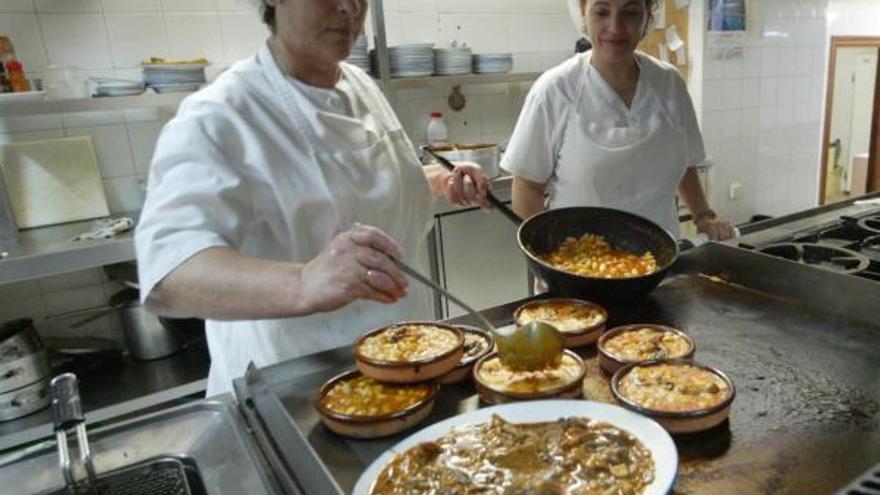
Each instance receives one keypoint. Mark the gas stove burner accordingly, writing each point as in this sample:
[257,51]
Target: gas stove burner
[870,223]
[871,247]
[831,258]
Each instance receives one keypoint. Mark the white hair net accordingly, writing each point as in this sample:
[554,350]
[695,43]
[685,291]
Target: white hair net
[574,9]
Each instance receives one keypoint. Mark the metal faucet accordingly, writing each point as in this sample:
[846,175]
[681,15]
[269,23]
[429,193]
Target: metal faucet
[66,415]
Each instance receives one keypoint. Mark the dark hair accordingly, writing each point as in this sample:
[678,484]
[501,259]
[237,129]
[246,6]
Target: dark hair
[268,14]
[650,7]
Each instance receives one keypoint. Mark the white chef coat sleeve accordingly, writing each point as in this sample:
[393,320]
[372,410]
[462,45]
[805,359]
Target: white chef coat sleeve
[533,148]
[197,199]
[695,153]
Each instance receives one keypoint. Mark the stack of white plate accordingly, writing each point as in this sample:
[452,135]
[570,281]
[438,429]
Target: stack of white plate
[359,56]
[173,78]
[493,63]
[416,60]
[452,61]
[117,87]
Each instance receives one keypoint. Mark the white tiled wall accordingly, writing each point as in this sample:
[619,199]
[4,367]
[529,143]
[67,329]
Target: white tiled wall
[762,100]
[539,33]
[110,38]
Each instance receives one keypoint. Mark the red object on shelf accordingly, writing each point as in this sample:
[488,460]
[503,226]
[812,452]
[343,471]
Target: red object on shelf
[17,80]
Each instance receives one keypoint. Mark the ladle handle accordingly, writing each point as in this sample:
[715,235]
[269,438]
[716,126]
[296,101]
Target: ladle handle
[493,200]
[430,283]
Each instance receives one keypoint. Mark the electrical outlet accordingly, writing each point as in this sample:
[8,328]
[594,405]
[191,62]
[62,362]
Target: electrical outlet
[733,193]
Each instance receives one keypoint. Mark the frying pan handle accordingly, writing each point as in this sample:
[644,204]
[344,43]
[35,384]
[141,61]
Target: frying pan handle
[493,200]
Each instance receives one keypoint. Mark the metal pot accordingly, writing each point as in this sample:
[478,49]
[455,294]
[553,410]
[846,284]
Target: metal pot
[487,156]
[23,358]
[543,232]
[147,337]
[25,400]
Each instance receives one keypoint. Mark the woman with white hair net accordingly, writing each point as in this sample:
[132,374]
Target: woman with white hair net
[612,127]
[279,195]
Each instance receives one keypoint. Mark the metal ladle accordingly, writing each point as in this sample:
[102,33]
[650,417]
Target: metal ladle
[535,345]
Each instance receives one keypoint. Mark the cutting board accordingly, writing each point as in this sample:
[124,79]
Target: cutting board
[53,181]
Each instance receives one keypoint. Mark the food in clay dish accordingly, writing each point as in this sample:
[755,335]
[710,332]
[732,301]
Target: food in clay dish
[355,405]
[642,342]
[681,395]
[409,352]
[581,322]
[497,383]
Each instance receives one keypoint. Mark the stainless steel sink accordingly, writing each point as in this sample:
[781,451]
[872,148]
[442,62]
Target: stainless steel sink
[165,476]
[209,439]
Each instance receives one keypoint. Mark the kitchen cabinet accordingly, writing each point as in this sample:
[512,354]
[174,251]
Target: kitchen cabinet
[479,260]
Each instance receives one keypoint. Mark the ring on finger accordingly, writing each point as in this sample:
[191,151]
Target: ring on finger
[367,275]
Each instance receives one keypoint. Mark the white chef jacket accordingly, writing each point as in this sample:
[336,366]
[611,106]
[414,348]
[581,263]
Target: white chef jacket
[576,133]
[275,169]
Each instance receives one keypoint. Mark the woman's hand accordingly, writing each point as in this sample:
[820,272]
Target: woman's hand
[716,229]
[355,265]
[466,185]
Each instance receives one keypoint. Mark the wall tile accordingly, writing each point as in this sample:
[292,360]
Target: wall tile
[57,303]
[111,147]
[24,30]
[17,291]
[189,5]
[124,194]
[135,37]
[194,35]
[27,123]
[130,5]
[242,34]
[93,118]
[76,39]
[29,307]
[68,281]
[419,5]
[419,27]
[143,137]
[17,6]
[68,6]
[237,6]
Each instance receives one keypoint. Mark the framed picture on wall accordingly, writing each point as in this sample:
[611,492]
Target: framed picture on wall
[727,15]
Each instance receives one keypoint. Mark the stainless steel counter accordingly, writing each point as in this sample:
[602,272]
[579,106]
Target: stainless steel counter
[51,250]
[112,391]
[805,420]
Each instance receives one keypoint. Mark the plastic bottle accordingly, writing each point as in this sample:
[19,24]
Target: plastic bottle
[17,81]
[437,135]
[4,81]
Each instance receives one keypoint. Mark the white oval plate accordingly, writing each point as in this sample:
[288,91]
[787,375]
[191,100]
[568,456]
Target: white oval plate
[651,434]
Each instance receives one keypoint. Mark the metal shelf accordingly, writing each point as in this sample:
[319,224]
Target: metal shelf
[146,100]
[463,80]
[46,251]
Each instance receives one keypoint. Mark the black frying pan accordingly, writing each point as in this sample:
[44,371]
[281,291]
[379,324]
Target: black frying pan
[544,232]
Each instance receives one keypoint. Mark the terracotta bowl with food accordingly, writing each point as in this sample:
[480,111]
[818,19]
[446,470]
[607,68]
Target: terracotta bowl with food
[683,396]
[498,384]
[409,352]
[627,344]
[477,343]
[357,406]
[581,322]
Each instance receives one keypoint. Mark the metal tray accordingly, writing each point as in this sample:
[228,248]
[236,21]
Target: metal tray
[800,344]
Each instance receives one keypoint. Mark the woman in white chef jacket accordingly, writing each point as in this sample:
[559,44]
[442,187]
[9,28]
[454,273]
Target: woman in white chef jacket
[278,193]
[611,127]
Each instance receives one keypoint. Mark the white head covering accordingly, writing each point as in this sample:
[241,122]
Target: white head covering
[574,9]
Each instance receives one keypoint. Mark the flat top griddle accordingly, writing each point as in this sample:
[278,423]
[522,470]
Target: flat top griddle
[806,366]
